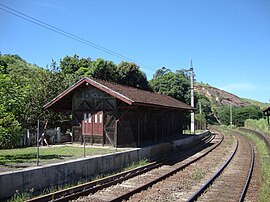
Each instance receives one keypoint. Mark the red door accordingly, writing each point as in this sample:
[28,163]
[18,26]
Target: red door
[92,123]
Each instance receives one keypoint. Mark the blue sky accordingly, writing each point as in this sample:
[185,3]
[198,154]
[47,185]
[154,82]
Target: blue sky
[228,41]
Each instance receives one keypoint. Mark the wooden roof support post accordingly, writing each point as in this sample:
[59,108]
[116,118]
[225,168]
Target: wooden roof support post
[116,133]
[139,125]
[155,130]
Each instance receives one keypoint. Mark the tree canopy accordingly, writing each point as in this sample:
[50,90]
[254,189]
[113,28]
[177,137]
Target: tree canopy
[176,85]
[126,73]
[25,88]
[239,114]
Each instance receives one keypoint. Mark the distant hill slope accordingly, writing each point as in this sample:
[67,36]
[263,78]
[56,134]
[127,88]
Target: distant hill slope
[257,103]
[220,97]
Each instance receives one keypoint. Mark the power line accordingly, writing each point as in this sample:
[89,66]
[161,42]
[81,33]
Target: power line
[68,34]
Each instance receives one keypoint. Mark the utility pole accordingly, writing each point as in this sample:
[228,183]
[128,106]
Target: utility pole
[200,110]
[231,114]
[84,132]
[200,107]
[192,126]
[38,143]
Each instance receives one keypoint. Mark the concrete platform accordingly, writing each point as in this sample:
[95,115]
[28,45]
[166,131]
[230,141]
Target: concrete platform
[39,178]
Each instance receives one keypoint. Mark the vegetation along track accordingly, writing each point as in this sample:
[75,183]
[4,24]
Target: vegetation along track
[261,135]
[91,187]
[231,181]
[125,189]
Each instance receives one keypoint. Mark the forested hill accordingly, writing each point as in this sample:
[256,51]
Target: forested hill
[25,88]
[220,97]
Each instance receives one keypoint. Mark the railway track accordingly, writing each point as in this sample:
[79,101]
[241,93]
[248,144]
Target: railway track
[231,181]
[127,188]
[94,187]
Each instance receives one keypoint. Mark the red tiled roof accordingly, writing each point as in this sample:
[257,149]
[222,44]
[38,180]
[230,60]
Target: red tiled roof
[129,95]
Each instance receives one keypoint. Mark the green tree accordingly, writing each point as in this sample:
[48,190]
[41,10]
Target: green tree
[24,89]
[176,85]
[85,67]
[125,73]
[161,72]
[12,100]
[247,112]
[104,69]
[130,74]
[203,106]
[239,114]
[223,114]
[69,65]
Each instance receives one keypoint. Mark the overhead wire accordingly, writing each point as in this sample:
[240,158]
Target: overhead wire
[68,34]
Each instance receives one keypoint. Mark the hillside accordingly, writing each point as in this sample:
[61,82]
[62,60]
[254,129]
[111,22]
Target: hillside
[257,103]
[220,97]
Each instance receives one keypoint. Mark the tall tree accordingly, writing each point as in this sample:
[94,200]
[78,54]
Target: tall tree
[69,65]
[24,89]
[176,85]
[130,74]
[12,98]
[161,72]
[239,114]
[104,69]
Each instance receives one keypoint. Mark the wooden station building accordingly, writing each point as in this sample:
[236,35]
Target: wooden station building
[119,115]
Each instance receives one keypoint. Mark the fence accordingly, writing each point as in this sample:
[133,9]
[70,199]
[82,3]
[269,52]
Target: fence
[54,134]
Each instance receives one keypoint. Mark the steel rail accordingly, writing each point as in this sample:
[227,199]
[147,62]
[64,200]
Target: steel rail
[148,184]
[244,191]
[91,187]
[209,182]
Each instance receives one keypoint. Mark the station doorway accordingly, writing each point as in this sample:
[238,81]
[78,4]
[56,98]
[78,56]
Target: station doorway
[92,126]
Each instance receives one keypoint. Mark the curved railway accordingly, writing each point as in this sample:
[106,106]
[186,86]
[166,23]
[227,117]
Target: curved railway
[231,181]
[122,191]
[209,143]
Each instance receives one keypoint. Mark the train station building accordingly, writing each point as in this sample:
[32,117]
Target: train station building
[118,115]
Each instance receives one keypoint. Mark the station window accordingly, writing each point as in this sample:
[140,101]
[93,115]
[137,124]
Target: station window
[100,118]
[96,118]
[89,118]
[85,117]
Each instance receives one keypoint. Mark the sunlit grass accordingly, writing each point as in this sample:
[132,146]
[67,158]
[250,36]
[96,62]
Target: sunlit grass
[260,125]
[48,154]
[197,175]
[264,166]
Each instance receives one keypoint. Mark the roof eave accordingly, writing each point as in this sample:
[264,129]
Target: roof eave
[164,107]
[93,83]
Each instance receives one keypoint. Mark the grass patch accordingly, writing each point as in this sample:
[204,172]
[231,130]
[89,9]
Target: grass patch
[136,164]
[48,154]
[188,132]
[19,197]
[260,125]
[197,175]
[264,166]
